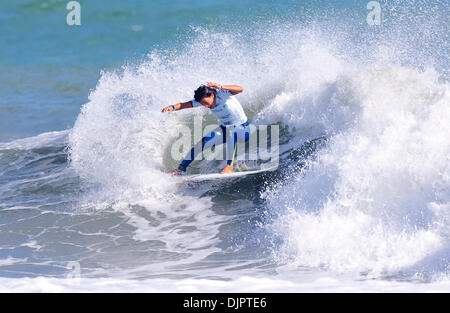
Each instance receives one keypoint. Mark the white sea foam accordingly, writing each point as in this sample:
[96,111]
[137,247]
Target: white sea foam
[376,199]
[245,284]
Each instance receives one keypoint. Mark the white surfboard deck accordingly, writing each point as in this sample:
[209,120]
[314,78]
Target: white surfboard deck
[214,176]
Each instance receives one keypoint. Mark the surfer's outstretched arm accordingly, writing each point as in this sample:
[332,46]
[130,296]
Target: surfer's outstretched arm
[233,89]
[178,106]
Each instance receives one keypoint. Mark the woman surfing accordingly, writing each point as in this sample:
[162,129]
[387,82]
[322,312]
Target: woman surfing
[222,103]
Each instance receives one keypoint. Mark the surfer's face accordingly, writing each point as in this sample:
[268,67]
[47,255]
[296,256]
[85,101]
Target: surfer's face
[209,102]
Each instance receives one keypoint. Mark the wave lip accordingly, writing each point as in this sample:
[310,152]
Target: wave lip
[53,139]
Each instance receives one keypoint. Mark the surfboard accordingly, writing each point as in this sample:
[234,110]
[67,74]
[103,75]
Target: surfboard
[215,176]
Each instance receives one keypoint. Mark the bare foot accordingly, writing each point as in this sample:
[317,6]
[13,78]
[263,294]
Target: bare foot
[176,172]
[227,169]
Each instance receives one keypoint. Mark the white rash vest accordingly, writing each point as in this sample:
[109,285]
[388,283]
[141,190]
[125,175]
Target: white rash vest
[228,109]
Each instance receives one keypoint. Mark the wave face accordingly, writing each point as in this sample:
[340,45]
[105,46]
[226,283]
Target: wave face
[364,177]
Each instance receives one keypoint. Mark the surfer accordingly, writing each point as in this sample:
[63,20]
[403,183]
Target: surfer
[219,99]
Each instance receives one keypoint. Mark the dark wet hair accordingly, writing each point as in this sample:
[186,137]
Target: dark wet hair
[203,91]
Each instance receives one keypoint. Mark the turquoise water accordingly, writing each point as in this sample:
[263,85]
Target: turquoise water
[361,194]
[48,67]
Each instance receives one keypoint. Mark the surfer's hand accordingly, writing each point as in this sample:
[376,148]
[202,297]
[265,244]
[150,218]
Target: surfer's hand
[176,172]
[214,85]
[169,109]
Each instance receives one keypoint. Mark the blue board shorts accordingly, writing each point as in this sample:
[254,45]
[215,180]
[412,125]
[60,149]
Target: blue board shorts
[239,133]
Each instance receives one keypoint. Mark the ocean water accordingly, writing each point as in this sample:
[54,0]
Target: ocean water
[360,200]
